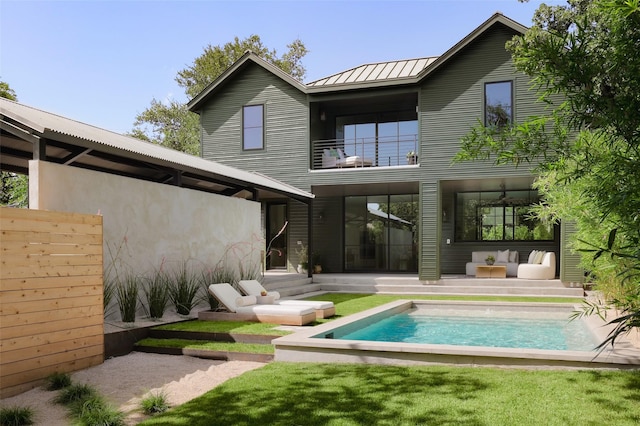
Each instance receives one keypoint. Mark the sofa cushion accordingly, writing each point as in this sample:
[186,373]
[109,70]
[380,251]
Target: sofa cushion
[538,258]
[503,256]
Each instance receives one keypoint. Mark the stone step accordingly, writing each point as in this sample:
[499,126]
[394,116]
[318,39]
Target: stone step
[452,289]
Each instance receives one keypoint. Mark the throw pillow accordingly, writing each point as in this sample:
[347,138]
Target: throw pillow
[503,256]
[532,256]
[539,257]
[513,256]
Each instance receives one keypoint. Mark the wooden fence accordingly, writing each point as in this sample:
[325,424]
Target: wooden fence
[51,314]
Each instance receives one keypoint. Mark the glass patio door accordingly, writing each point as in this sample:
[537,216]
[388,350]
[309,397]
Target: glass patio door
[380,233]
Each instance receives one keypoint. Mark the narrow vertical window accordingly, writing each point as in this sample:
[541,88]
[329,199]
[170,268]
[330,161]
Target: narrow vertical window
[498,104]
[253,127]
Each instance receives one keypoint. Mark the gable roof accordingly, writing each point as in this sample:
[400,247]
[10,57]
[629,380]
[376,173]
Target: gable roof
[381,74]
[248,58]
[71,142]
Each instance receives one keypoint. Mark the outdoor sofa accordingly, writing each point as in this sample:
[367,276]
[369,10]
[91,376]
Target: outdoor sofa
[541,265]
[508,258]
[254,288]
[247,308]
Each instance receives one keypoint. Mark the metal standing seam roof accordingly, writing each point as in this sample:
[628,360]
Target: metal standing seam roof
[48,124]
[382,71]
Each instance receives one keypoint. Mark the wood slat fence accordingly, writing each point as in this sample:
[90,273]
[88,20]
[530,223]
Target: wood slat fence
[51,289]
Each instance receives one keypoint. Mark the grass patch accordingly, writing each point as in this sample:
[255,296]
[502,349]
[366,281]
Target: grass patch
[237,327]
[16,416]
[208,345]
[341,394]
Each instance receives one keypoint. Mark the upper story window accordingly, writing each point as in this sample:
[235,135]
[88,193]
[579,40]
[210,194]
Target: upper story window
[499,216]
[498,104]
[253,127]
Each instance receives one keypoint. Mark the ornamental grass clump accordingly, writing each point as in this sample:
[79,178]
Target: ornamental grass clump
[75,393]
[156,293]
[184,288]
[95,411]
[155,403]
[127,295]
[58,380]
[16,416]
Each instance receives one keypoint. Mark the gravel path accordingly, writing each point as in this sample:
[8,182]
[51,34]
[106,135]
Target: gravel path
[124,381]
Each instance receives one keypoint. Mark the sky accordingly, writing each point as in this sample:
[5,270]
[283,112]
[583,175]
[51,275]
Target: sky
[102,62]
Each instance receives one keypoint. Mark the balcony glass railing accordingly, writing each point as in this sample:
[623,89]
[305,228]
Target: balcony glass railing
[365,152]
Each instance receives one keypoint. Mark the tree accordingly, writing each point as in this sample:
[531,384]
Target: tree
[584,63]
[15,187]
[7,92]
[172,125]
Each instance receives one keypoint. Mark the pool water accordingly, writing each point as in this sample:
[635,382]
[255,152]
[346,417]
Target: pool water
[507,331]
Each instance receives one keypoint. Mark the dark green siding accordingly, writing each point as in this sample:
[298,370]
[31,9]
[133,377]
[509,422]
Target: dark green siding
[286,153]
[450,103]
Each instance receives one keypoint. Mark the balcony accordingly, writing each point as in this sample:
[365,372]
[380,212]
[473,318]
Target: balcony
[365,152]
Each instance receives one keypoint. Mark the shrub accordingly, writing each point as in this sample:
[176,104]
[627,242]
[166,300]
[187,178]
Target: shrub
[58,380]
[127,294]
[156,292]
[184,289]
[155,403]
[16,416]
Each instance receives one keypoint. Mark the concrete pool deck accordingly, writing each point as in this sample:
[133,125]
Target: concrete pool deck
[302,346]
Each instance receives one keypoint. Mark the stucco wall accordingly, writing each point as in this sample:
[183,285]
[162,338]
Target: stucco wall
[147,223]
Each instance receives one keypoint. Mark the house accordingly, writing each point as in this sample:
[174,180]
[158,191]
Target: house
[375,144]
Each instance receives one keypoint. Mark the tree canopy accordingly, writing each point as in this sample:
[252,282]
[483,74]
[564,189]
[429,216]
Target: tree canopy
[172,125]
[14,188]
[584,63]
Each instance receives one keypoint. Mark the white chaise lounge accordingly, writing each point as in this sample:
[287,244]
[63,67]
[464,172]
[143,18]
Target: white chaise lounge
[254,288]
[246,308]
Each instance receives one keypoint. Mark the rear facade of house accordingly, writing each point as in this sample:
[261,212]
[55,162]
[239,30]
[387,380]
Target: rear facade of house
[375,145]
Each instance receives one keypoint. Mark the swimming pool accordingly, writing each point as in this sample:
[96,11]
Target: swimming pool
[331,342]
[510,329]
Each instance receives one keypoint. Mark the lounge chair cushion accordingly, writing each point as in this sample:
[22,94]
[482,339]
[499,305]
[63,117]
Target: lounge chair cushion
[229,297]
[254,287]
[246,301]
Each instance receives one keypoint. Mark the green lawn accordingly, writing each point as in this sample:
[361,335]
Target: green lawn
[349,394]
[341,394]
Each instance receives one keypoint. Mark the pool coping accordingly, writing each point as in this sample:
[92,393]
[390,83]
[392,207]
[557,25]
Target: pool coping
[303,347]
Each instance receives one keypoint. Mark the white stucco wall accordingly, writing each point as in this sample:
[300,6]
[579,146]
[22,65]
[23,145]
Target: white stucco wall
[160,223]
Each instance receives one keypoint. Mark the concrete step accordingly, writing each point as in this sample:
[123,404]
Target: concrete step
[452,289]
[296,286]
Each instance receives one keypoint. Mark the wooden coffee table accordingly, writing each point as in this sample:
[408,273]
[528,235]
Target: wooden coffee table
[491,271]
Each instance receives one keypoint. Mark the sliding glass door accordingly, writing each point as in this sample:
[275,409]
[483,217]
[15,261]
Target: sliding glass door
[381,233]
